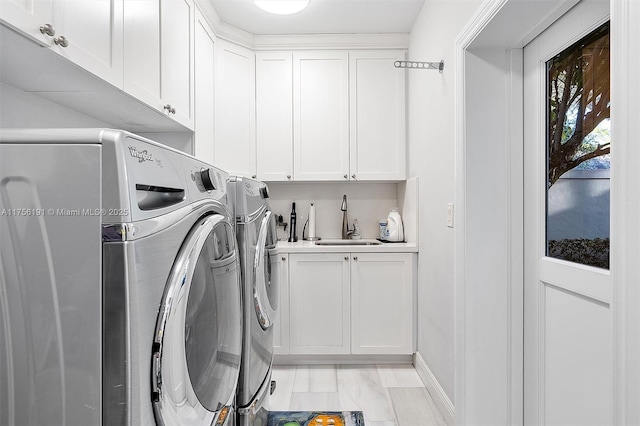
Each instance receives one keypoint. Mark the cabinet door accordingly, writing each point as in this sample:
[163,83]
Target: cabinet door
[88,33]
[382,303]
[321,115]
[142,51]
[319,305]
[28,16]
[94,33]
[204,90]
[177,17]
[158,55]
[274,116]
[377,116]
[235,142]
[280,264]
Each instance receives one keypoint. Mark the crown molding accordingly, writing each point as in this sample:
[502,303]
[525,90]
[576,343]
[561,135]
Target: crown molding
[331,41]
[223,30]
[299,41]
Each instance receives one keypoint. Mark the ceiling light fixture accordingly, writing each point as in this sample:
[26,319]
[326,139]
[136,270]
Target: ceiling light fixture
[282,7]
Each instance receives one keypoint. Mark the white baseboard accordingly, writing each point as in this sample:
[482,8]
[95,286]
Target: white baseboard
[436,391]
[280,359]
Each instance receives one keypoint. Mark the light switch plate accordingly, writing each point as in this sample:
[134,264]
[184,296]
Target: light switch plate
[450,215]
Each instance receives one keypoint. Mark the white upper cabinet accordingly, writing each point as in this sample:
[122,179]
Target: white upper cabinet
[158,59]
[88,33]
[142,50]
[377,116]
[348,116]
[29,16]
[321,115]
[177,58]
[235,124]
[274,115]
[204,66]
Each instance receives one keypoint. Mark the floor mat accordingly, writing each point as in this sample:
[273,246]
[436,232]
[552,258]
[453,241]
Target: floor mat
[315,418]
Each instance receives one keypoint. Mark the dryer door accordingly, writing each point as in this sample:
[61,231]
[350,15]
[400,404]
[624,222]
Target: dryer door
[265,289]
[198,338]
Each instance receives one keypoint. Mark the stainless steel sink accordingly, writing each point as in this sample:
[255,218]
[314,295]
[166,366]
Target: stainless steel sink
[347,243]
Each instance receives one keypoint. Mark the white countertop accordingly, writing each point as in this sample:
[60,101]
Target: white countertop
[311,247]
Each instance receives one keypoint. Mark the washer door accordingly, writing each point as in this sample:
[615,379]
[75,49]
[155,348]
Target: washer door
[198,338]
[265,290]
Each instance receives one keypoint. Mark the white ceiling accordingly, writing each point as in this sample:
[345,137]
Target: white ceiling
[323,17]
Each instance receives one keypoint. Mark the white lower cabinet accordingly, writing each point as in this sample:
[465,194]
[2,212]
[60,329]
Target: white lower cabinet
[381,303]
[350,303]
[280,272]
[319,303]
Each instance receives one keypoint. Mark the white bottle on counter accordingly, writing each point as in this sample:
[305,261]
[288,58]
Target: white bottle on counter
[395,230]
[382,223]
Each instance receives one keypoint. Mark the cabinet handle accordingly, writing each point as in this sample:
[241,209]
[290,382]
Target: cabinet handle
[288,176]
[284,258]
[353,176]
[346,258]
[253,176]
[170,109]
[48,30]
[61,41]
[346,176]
[355,257]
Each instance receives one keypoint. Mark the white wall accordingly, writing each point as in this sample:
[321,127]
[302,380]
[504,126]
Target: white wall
[432,157]
[367,202]
[578,205]
[488,316]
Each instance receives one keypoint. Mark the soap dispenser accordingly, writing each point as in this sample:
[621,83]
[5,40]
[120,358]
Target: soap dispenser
[293,237]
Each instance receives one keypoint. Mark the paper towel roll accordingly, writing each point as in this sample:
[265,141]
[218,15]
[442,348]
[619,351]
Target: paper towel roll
[312,221]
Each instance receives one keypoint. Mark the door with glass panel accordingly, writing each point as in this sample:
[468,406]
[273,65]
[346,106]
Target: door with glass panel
[568,287]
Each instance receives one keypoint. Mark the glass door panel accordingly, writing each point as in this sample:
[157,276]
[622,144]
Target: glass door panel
[578,149]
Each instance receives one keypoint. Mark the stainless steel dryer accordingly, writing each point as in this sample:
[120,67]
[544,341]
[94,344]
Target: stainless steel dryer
[119,283]
[256,233]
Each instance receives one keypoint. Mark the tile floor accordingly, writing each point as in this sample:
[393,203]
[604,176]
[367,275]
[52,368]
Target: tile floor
[388,395]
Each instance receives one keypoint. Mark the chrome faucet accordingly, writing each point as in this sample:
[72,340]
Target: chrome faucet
[346,232]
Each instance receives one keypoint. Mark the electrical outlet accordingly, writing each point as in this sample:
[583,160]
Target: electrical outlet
[450,215]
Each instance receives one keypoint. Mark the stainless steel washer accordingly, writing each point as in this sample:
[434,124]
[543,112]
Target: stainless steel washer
[256,233]
[119,283]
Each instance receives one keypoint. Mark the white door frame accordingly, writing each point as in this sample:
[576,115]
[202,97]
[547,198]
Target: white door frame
[489,198]
[625,209]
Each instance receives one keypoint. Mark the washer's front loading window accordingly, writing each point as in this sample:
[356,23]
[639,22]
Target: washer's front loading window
[213,358]
[198,339]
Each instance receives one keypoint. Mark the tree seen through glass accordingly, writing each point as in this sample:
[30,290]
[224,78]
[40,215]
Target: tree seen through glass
[578,151]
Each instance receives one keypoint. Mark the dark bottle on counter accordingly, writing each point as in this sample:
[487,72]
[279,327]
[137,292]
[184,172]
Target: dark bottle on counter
[292,230]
